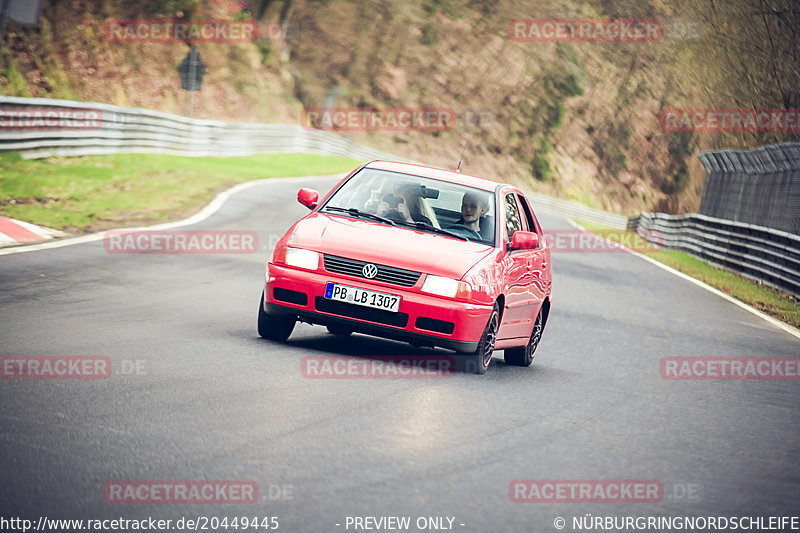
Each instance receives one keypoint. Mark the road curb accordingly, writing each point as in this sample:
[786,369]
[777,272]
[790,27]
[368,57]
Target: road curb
[15,232]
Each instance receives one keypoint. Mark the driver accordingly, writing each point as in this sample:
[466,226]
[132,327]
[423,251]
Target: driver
[473,214]
[405,204]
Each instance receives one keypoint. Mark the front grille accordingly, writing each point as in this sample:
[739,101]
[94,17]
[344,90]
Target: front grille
[433,324]
[287,295]
[360,312]
[387,274]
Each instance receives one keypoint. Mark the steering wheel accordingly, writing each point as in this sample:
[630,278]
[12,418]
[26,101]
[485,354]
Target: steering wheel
[470,232]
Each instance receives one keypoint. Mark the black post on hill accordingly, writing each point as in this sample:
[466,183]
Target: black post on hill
[191,70]
[22,12]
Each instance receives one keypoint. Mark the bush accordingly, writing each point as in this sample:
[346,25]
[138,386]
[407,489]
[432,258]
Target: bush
[541,165]
[428,37]
[431,7]
[554,115]
[12,82]
[569,87]
[679,181]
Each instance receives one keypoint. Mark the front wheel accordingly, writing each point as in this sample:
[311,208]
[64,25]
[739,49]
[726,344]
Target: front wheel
[274,327]
[478,362]
[523,356]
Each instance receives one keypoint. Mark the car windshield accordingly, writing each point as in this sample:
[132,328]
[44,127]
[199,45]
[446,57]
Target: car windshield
[417,202]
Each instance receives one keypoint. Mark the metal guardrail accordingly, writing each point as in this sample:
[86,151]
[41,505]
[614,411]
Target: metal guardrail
[763,254]
[760,186]
[132,130]
[782,157]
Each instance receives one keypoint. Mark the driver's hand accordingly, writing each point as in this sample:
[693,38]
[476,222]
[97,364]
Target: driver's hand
[402,208]
[383,208]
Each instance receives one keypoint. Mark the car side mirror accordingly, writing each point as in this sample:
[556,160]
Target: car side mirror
[308,197]
[524,240]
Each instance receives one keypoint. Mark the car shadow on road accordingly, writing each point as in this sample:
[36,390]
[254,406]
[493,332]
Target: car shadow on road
[359,345]
[316,342]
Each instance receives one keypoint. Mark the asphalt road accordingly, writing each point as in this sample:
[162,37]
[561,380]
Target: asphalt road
[213,401]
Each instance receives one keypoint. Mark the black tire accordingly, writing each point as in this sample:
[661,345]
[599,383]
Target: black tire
[342,331]
[523,356]
[478,362]
[274,327]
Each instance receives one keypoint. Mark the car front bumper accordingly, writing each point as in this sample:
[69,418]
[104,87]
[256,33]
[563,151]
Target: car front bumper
[422,319]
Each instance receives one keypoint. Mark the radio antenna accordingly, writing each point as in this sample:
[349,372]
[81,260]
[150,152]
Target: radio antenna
[458,169]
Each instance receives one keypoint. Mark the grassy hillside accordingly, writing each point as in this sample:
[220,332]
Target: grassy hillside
[576,119]
[94,193]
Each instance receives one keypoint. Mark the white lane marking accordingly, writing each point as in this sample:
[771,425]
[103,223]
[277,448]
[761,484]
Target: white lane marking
[203,214]
[772,320]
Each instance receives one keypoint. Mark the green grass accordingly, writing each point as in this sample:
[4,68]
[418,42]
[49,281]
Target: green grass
[773,302]
[81,194]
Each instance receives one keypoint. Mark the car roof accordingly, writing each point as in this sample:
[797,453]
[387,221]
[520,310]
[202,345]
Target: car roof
[435,173]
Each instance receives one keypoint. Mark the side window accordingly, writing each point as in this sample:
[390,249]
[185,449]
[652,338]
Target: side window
[526,209]
[513,223]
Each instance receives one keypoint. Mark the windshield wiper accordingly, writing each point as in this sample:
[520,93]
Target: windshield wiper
[429,227]
[355,212]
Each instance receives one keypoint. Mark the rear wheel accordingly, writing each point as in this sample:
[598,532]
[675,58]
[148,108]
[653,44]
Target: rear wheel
[523,356]
[478,362]
[274,327]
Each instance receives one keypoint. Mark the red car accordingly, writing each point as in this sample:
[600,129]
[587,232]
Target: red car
[418,254]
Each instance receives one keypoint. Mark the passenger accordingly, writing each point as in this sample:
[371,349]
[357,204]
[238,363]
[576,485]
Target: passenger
[473,215]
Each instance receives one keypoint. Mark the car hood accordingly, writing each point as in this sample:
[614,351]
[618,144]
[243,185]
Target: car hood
[399,247]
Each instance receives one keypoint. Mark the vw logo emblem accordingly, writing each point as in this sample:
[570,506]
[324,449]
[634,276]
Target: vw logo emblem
[369,271]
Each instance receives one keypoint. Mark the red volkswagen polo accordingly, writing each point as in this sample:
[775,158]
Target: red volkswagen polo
[417,254]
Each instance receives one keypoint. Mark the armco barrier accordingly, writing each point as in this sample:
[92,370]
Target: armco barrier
[133,130]
[783,157]
[764,254]
[759,186]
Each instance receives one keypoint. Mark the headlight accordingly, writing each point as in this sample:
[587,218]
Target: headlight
[297,257]
[451,288]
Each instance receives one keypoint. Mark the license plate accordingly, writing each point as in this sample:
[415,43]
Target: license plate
[354,295]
